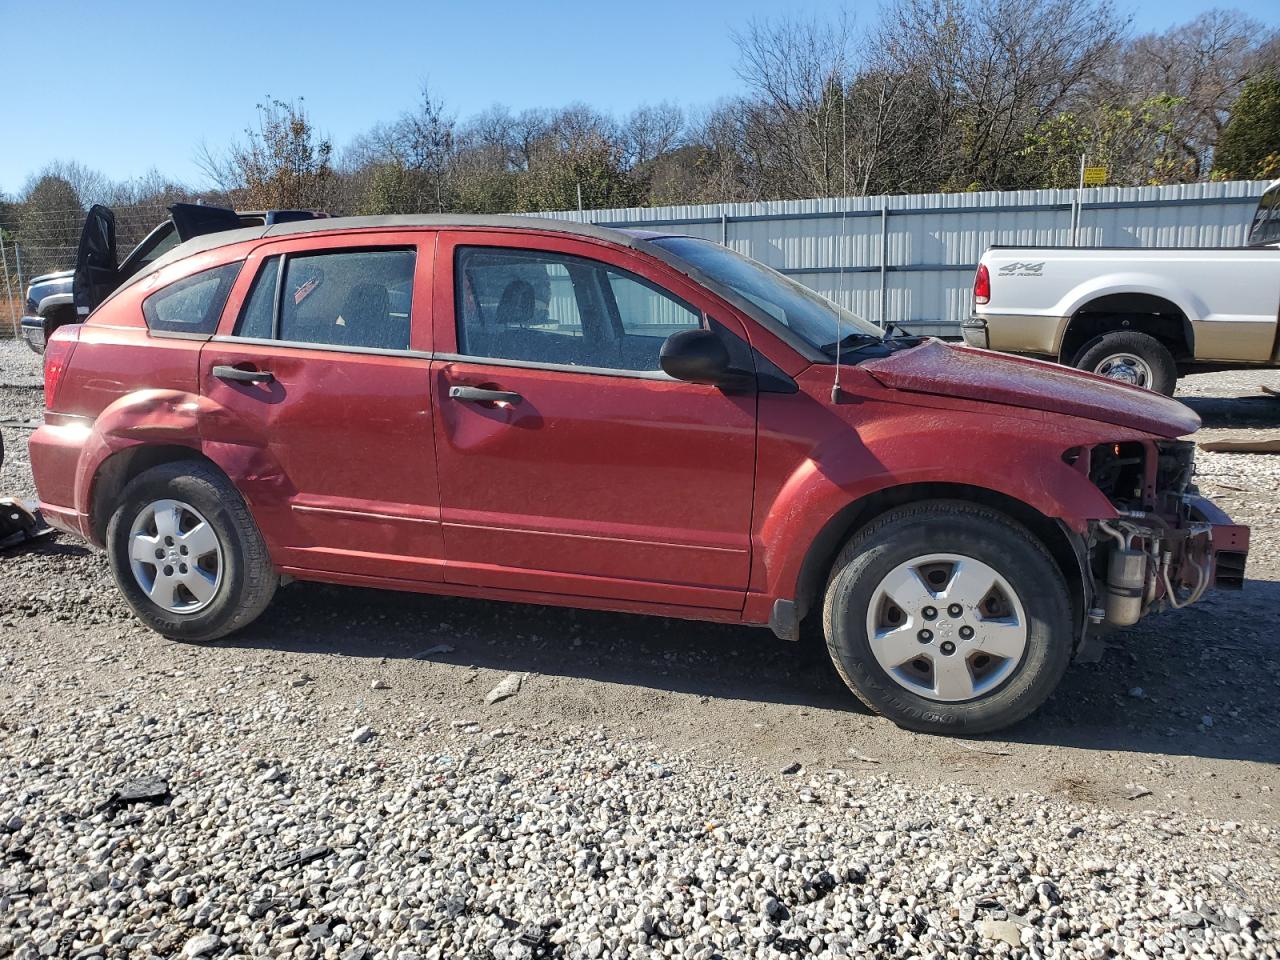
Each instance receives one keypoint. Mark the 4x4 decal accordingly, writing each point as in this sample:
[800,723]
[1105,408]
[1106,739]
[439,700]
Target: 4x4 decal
[1020,268]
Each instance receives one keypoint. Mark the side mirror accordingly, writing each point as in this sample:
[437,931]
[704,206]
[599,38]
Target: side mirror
[700,356]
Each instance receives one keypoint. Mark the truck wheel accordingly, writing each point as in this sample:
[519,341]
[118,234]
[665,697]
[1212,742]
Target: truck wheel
[948,617]
[186,554]
[1131,357]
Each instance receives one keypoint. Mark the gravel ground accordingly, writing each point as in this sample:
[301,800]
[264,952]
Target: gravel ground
[333,782]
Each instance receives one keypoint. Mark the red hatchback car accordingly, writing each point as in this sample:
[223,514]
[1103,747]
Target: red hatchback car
[548,412]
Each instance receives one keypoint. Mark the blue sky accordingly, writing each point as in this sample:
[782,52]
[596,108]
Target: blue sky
[122,87]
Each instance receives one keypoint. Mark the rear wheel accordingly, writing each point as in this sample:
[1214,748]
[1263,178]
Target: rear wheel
[1131,357]
[948,617]
[186,553]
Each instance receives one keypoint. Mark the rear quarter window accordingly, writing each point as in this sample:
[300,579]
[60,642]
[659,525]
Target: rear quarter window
[191,305]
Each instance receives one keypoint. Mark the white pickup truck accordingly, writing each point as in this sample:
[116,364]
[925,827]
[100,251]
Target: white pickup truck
[1142,316]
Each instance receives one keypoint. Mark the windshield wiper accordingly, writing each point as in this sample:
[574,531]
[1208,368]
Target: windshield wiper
[851,342]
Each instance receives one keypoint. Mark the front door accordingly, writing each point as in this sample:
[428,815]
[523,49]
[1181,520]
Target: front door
[318,387]
[569,463]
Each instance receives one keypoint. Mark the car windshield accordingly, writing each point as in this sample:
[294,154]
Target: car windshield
[810,315]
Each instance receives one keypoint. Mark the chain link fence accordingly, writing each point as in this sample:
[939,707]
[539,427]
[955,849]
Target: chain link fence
[46,241]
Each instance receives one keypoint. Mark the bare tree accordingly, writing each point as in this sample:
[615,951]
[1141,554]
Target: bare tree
[996,72]
[282,163]
[650,131]
[797,71]
[1201,67]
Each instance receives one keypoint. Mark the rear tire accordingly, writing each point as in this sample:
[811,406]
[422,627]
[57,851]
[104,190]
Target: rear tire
[186,553]
[1131,357]
[1008,646]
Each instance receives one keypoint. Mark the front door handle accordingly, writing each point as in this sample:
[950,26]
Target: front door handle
[481,395]
[243,376]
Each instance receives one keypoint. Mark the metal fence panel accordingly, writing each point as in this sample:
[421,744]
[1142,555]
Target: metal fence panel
[931,243]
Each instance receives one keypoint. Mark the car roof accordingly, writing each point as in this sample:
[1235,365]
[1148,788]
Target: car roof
[225,238]
[635,239]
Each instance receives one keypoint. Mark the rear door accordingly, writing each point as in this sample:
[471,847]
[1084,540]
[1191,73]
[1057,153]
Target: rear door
[569,463]
[318,385]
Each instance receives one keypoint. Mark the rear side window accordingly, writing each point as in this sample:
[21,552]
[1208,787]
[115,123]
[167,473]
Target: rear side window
[192,304]
[351,298]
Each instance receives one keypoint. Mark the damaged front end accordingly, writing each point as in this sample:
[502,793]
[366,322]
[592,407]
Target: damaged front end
[1168,545]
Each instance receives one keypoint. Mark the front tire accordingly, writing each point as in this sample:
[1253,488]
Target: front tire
[186,553]
[948,617]
[1130,357]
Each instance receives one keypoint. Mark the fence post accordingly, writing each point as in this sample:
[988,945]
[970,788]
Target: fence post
[724,228]
[884,257]
[17,258]
[8,288]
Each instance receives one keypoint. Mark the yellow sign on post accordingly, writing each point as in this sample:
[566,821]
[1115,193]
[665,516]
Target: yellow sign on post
[1095,176]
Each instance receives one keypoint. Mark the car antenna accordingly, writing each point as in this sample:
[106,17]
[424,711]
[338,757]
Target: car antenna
[835,385]
[844,236]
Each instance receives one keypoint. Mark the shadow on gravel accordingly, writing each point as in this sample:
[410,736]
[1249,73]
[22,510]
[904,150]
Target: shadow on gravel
[1214,412]
[1158,684]
[1151,693]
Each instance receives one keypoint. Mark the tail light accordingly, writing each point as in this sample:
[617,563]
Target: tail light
[982,285]
[57,357]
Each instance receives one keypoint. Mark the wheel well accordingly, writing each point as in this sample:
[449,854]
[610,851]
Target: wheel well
[835,534]
[1140,312]
[117,470]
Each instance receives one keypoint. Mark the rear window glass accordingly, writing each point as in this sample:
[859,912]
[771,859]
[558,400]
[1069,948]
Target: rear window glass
[192,304]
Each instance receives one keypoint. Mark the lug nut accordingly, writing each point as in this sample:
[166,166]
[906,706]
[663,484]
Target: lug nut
[966,633]
[925,636]
[955,610]
[948,648]
[929,613]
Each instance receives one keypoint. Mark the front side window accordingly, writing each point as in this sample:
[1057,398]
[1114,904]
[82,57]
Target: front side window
[356,298]
[553,308]
[192,304]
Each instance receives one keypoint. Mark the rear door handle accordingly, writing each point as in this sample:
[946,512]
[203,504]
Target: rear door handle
[243,376]
[480,395]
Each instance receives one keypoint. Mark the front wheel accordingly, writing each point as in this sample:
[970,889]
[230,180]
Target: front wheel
[947,617]
[186,553]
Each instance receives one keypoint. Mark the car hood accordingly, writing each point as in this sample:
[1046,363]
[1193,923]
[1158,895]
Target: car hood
[56,275]
[938,368]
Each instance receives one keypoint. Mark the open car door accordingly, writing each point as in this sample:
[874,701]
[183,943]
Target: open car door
[195,220]
[97,269]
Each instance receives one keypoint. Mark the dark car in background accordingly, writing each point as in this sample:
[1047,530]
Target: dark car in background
[51,297]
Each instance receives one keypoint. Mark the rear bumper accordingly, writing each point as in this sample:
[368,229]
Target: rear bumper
[57,455]
[1016,333]
[33,333]
[974,331]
